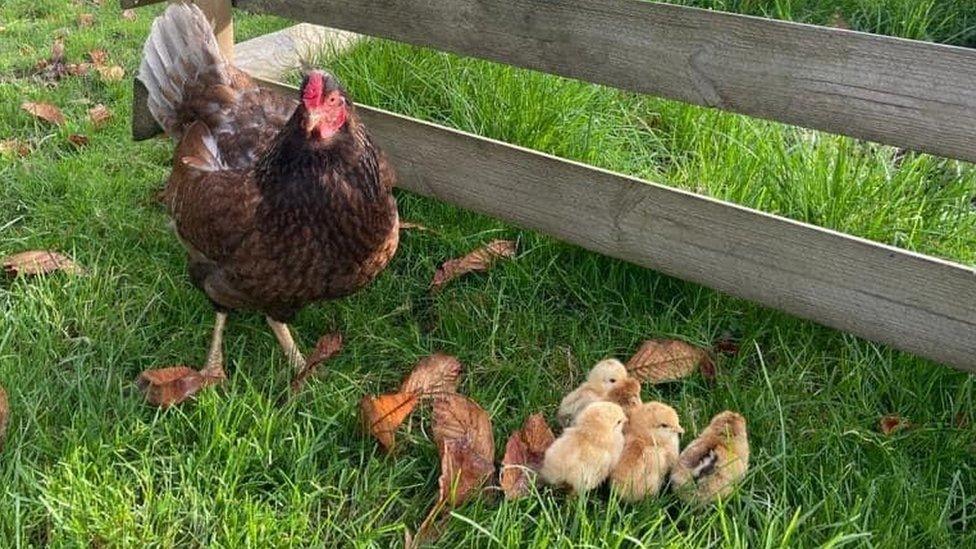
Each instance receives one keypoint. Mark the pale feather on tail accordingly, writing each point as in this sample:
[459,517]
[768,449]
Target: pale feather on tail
[181,55]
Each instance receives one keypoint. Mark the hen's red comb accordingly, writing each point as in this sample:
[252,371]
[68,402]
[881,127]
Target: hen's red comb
[314,89]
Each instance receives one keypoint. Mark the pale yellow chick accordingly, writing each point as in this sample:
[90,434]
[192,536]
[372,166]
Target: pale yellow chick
[583,456]
[709,467]
[604,377]
[650,451]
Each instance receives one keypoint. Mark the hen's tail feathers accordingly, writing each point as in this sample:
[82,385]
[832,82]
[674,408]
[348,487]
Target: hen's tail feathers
[180,55]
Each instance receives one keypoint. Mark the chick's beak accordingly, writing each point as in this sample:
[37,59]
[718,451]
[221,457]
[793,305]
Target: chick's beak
[679,430]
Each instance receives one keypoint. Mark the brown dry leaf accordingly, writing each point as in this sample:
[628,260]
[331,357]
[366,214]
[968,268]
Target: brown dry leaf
[165,387]
[891,423]
[44,111]
[726,345]
[129,15]
[326,347]
[381,415]
[78,140]
[53,69]
[16,147]
[436,374]
[526,448]
[408,226]
[78,69]
[39,262]
[86,19]
[664,360]
[112,73]
[459,417]
[478,260]
[4,415]
[98,57]
[626,393]
[99,115]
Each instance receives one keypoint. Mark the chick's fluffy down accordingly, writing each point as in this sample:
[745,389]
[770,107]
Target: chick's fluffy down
[604,377]
[714,462]
[583,456]
[650,451]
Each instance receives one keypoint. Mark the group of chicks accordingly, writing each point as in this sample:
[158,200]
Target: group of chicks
[610,434]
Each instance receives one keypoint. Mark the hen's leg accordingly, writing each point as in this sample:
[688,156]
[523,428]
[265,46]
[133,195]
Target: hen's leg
[283,335]
[215,357]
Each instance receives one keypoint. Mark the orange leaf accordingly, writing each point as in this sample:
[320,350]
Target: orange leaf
[44,111]
[112,73]
[129,15]
[4,415]
[381,415]
[526,448]
[433,375]
[165,387]
[463,471]
[78,69]
[327,347]
[99,114]
[458,417]
[478,260]
[15,147]
[39,262]
[891,423]
[664,360]
[78,140]
[86,19]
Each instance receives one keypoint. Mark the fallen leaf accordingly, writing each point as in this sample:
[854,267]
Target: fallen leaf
[408,226]
[112,73]
[86,19]
[44,111]
[98,57]
[4,416]
[381,415]
[15,147]
[53,69]
[727,345]
[78,140]
[327,347]
[459,417]
[626,393]
[524,452]
[436,374]
[664,360]
[165,387]
[892,423]
[78,69]
[39,262]
[129,15]
[99,115]
[478,260]
[463,471]
[707,368]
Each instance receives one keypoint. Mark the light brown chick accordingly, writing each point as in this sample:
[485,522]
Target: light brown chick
[711,465]
[650,451]
[603,378]
[583,456]
[626,394]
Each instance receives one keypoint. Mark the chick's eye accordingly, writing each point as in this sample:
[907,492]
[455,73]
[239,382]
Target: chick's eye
[663,425]
[613,380]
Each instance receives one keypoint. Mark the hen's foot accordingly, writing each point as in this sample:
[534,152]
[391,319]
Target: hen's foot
[283,335]
[166,387]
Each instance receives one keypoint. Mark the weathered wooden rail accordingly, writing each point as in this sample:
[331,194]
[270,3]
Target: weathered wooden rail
[906,93]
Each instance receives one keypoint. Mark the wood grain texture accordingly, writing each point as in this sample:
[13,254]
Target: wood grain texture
[913,302]
[273,55]
[906,93]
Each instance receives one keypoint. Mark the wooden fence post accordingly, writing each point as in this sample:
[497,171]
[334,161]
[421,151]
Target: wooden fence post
[220,13]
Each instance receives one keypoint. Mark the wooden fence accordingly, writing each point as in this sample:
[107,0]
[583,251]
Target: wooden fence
[915,95]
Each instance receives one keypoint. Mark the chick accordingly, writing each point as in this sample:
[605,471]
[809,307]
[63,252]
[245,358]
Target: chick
[626,394]
[583,456]
[606,375]
[650,451]
[710,466]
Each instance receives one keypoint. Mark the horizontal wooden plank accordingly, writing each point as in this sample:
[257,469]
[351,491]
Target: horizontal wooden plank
[272,55]
[911,94]
[912,302]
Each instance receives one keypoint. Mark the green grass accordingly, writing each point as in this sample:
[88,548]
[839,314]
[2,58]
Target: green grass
[88,464]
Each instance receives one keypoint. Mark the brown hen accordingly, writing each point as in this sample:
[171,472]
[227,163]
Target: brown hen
[278,202]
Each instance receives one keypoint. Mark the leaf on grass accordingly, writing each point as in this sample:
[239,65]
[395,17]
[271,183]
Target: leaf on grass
[892,423]
[327,347]
[78,140]
[112,73]
[15,147]
[99,57]
[99,115]
[381,415]
[524,450]
[462,431]
[39,262]
[129,15]
[165,387]
[4,415]
[726,345]
[44,111]
[664,360]
[53,69]
[86,19]
[626,393]
[479,260]
[436,374]
[78,69]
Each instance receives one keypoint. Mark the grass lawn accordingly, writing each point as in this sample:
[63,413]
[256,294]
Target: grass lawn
[87,463]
